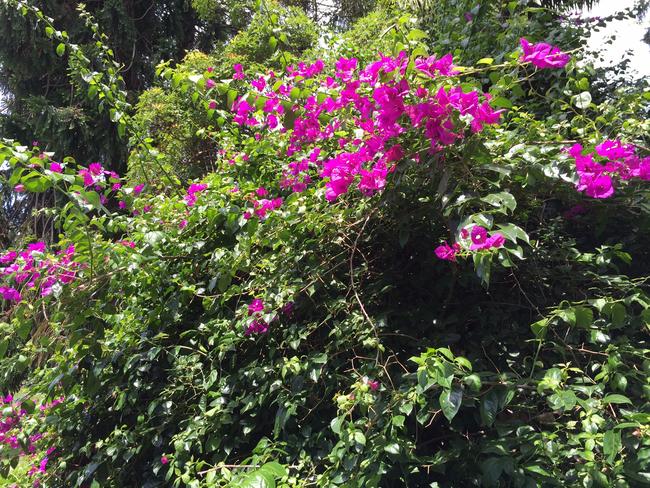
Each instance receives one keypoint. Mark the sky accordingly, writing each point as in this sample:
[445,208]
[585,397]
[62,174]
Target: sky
[628,35]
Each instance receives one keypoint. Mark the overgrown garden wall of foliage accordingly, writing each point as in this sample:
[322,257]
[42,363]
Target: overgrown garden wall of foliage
[411,254]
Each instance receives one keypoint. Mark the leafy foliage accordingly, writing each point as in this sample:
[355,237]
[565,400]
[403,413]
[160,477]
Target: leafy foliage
[209,336]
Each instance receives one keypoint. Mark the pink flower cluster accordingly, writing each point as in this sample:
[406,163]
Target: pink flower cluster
[192,191]
[306,70]
[95,177]
[256,311]
[480,241]
[258,325]
[543,55]
[296,175]
[448,252]
[262,207]
[619,160]
[377,104]
[13,422]
[31,269]
[432,66]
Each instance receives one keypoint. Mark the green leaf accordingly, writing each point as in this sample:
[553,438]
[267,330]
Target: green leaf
[275,468]
[473,381]
[513,232]
[416,35]
[563,400]
[582,100]
[4,345]
[501,102]
[584,316]
[392,448]
[616,399]
[35,182]
[231,95]
[611,444]
[257,479]
[540,328]
[92,197]
[335,425]
[618,314]
[487,61]
[501,200]
[23,329]
[538,470]
[450,401]
[492,403]
[359,438]
[60,49]
[483,266]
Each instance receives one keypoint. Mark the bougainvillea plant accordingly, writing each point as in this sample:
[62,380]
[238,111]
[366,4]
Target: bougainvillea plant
[401,269]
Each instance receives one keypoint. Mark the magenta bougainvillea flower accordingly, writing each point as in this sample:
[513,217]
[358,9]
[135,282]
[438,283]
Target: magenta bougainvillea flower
[479,235]
[447,252]
[36,271]
[262,207]
[481,240]
[10,294]
[34,447]
[239,72]
[257,305]
[433,66]
[543,55]
[620,161]
[192,191]
[257,326]
[384,106]
[614,149]
[596,186]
